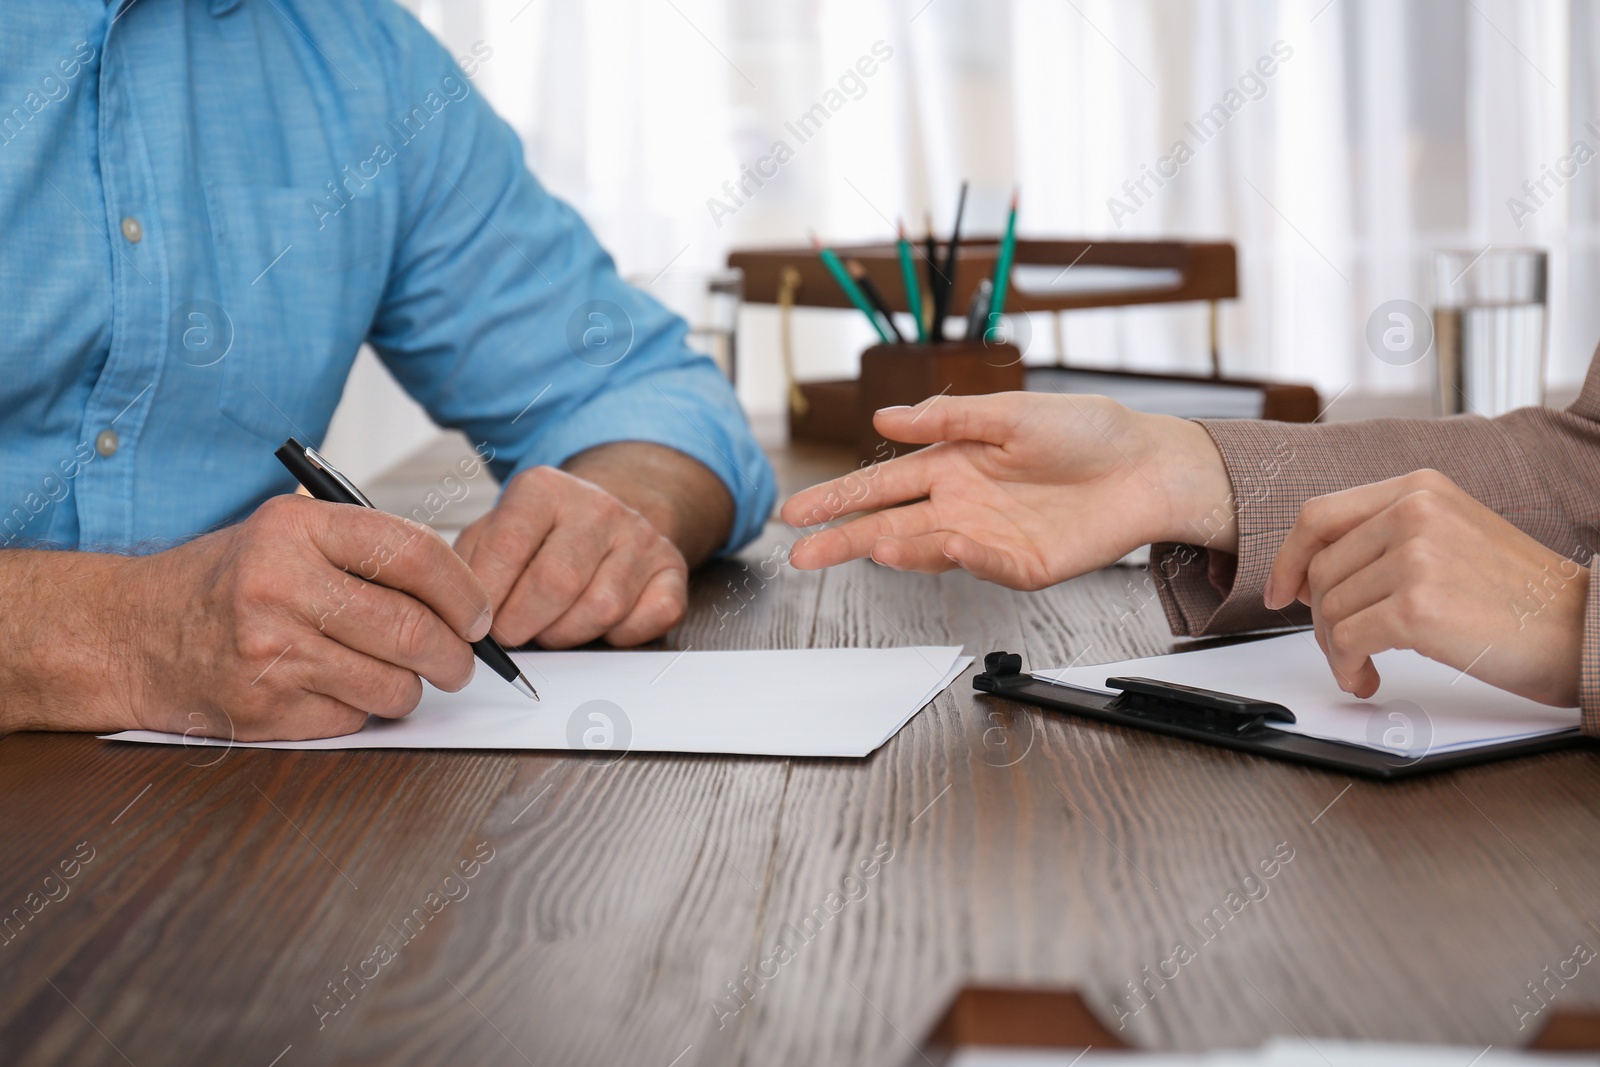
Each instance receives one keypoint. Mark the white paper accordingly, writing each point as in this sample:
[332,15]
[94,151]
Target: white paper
[1278,1052]
[1421,706]
[801,702]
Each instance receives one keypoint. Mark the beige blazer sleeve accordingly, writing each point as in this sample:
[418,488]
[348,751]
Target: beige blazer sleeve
[1538,467]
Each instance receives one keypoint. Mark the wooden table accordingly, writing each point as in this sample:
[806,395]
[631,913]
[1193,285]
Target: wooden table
[226,891]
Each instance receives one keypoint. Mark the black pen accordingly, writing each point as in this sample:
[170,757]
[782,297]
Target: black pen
[325,483]
[948,274]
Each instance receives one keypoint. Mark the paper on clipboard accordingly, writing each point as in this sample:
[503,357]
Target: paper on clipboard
[1421,706]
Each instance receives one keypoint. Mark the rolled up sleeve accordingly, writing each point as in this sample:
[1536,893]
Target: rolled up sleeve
[505,318]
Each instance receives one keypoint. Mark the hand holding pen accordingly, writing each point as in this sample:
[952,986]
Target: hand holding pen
[323,481]
[298,622]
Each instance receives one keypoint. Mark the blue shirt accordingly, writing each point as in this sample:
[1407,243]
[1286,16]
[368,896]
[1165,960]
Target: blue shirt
[206,208]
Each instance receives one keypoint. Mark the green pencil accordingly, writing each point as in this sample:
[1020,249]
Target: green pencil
[848,284]
[908,272]
[1002,271]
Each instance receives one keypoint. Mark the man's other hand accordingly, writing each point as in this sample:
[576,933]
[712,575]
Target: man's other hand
[566,562]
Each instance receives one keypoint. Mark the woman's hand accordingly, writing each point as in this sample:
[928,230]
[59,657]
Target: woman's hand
[1024,489]
[1414,562]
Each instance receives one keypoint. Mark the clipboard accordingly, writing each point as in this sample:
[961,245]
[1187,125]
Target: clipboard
[1235,722]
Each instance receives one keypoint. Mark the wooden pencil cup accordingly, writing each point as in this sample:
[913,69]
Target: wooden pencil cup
[908,374]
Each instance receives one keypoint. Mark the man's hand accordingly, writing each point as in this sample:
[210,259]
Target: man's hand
[1024,489]
[1414,562]
[600,552]
[296,623]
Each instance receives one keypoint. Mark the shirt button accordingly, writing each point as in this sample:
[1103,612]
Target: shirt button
[132,230]
[106,441]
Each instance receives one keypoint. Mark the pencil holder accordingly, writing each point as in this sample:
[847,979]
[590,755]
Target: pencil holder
[908,374]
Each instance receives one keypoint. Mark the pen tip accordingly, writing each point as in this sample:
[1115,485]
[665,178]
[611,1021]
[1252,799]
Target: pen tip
[525,688]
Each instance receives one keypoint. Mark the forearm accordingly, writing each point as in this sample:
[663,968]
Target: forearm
[679,496]
[64,662]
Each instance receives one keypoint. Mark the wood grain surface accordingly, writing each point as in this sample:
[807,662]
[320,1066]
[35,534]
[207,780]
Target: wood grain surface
[679,910]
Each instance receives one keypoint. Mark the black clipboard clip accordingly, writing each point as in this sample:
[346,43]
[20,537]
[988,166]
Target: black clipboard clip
[1235,722]
[1147,699]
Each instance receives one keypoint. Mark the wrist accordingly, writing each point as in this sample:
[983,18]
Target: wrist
[1200,507]
[66,662]
[1579,649]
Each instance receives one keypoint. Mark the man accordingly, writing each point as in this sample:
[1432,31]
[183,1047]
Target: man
[1470,540]
[208,205]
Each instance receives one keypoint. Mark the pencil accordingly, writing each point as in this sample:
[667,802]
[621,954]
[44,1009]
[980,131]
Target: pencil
[942,308]
[931,254]
[1002,270]
[869,289]
[908,274]
[851,291]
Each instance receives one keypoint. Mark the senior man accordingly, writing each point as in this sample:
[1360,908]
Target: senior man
[208,206]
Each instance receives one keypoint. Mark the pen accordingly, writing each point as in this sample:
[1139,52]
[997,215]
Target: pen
[869,289]
[830,259]
[325,483]
[931,254]
[941,307]
[1002,271]
[908,274]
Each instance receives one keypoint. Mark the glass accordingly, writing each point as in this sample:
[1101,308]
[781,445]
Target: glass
[709,301]
[1489,329]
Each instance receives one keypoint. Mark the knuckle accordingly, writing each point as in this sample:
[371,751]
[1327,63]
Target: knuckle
[1429,478]
[282,509]
[253,585]
[397,692]
[1414,607]
[677,607]
[1341,635]
[460,669]
[257,647]
[413,636]
[1415,554]
[1419,508]
[563,583]
[1317,571]
[1314,512]
[537,479]
[611,605]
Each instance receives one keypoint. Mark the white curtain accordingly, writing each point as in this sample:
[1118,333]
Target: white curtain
[1386,130]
